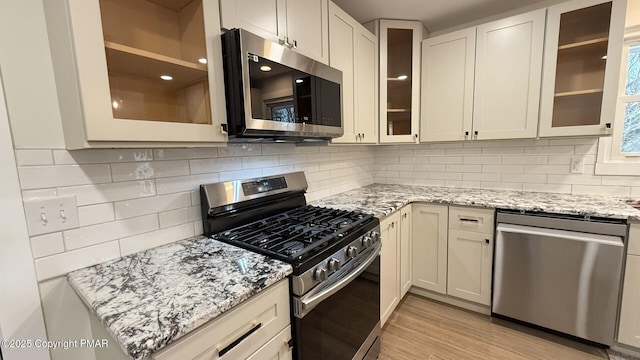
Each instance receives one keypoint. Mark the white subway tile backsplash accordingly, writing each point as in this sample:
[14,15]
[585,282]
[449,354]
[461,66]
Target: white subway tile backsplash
[525,178]
[240,174]
[547,169]
[400,181]
[150,205]
[180,216]
[95,234]
[445,160]
[501,186]
[429,152]
[185,154]
[38,177]
[214,165]
[399,167]
[149,170]
[574,179]
[60,264]
[39,194]
[134,244]
[258,162]
[45,245]
[524,160]
[617,191]
[503,169]
[428,182]
[430,167]
[573,141]
[101,156]
[591,149]
[234,150]
[276,170]
[549,150]
[548,188]
[621,180]
[464,168]
[445,176]
[110,192]
[482,160]
[95,214]
[198,228]
[481,177]
[184,183]
[278,149]
[462,184]
[34,157]
[635,193]
[294,159]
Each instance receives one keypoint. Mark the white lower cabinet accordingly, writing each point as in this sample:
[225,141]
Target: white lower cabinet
[629,331]
[389,266]
[453,252]
[469,266]
[257,329]
[395,260]
[405,249]
[429,251]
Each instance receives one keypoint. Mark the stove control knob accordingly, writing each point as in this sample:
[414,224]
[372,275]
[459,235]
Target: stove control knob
[375,236]
[366,241]
[320,274]
[352,252]
[334,264]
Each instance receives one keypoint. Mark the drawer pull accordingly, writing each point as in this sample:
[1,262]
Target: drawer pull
[225,348]
[469,220]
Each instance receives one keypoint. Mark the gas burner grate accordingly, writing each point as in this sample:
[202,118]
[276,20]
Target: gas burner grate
[296,234]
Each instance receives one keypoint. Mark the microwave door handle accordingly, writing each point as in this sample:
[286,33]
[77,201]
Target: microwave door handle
[309,303]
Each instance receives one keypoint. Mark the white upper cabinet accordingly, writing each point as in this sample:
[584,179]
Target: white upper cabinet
[133,73]
[299,24]
[508,70]
[353,50]
[399,79]
[483,83]
[448,67]
[581,67]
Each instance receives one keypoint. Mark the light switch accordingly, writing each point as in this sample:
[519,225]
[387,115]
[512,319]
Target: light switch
[50,215]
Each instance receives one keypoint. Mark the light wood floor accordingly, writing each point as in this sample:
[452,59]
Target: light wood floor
[421,329]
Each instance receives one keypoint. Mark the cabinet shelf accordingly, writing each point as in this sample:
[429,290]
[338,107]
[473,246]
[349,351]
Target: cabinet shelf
[398,111]
[584,43]
[578,92]
[124,59]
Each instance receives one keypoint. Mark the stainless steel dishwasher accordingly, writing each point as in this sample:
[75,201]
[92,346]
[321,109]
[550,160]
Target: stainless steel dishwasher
[559,272]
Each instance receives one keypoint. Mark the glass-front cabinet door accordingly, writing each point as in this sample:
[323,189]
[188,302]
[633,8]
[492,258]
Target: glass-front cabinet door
[146,71]
[400,80]
[581,67]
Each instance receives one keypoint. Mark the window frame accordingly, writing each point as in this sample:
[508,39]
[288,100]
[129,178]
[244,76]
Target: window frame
[610,159]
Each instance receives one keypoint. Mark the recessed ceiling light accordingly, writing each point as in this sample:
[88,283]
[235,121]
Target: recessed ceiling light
[604,57]
[265,68]
[166,77]
[202,61]
[299,81]
[402,77]
[115,105]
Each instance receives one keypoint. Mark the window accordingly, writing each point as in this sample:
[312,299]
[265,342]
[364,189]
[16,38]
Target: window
[620,154]
[630,141]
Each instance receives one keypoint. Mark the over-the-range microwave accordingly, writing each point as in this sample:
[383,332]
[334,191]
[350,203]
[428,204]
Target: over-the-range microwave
[274,93]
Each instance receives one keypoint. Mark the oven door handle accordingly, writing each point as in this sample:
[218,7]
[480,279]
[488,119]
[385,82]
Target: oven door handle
[307,304]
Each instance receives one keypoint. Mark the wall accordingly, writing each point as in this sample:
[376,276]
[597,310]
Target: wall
[529,165]
[131,200]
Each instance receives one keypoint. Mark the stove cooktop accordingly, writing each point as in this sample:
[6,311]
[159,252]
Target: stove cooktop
[297,235]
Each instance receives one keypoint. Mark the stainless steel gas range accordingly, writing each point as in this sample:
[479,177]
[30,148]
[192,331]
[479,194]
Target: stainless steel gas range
[335,286]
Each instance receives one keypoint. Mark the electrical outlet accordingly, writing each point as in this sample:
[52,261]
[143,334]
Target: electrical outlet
[50,215]
[577,165]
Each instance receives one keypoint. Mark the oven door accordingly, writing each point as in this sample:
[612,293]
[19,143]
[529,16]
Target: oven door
[341,320]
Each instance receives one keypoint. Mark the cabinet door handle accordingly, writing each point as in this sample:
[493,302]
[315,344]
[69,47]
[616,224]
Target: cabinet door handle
[487,241]
[475,133]
[404,216]
[226,347]
[469,220]
[466,133]
[608,125]
[294,44]
[393,225]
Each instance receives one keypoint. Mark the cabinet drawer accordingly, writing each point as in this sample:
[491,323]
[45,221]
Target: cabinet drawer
[634,239]
[238,333]
[629,330]
[471,219]
[276,349]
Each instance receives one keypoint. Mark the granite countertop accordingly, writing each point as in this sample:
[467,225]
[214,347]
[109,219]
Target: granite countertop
[150,299]
[382,200]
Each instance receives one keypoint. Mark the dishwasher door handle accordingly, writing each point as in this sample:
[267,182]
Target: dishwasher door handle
[569,235]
